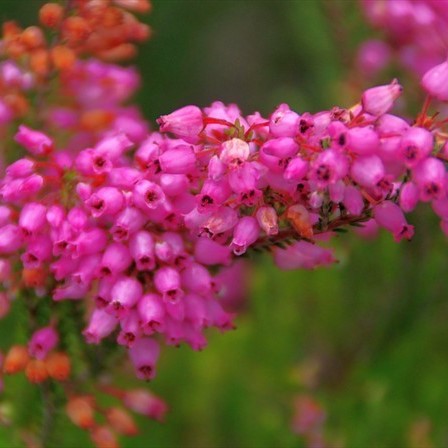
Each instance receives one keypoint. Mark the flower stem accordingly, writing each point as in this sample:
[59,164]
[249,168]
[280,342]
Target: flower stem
[48,414]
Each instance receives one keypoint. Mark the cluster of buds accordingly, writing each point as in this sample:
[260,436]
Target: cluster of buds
[39,360]
[106,29]
[85,411]
[133,233]
[415,34]
[92,91]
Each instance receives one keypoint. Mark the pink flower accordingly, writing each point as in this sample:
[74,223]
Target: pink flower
[435,81]
[185,123]
[37,143]
[144,354]
[42,342]
[379,100]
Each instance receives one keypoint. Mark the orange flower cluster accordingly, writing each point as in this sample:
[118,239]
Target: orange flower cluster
[105,29]
[82,410]
[56,365]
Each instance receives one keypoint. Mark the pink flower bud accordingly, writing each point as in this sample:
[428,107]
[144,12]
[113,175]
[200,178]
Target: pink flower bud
[243,180]
[221,221]
[144,354]
[267,219]
[5,215]
[276,153]
[39,250]
[210,252]
[113,146]
[336,191]
[145,403]
[296,170]
[141,248]
[174,184]
[363,141]
[21,168]
[440,207]
[77,218]
[37,143]
[124,177]
[87,269]
[32,218]
[55,216]
[379,100]
[179,160]
[152,313]
[130,329]
[284,122]
[246,232]
[408,196]
[116,259]
[71,290]
[213,195]
[101,325]
[89,242]
[185,123]
[175,310]
[148,195]
[106,201]
[216,168]
[302,255]
[196,278]
[11,238]
[415,145]
[234,152]
[353,200]
[367,171]
[42,342]
[431,179]
[125,293]
[390,216]
[127,222]
[329,166]
[23,188]
[167,282]
[63,267]
[435,81]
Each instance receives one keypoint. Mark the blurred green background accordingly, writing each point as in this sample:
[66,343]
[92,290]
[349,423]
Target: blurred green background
[367,338]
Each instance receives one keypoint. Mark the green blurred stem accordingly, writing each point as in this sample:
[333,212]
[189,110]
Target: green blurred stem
[48,414]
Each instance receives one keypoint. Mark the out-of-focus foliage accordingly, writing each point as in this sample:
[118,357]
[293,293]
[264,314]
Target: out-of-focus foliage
[367,338]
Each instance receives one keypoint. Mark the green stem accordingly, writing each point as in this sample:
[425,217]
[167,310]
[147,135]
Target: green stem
[48,414]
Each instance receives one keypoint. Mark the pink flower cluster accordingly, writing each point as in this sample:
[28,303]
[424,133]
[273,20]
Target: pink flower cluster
[416,34]
[136,228]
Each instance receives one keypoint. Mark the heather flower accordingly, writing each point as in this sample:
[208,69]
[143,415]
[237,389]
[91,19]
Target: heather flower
[379,100]
[144,354]
[435,81]
[185,123]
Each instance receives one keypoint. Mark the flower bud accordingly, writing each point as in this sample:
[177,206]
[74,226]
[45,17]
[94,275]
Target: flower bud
[121,421]
[80,411]
[43,341]
[16,359]
[185,123]
[179,160]
[408,196]
[379,100]
[246,232]
[435,81]
[103,437]
[58,366]
[37,143]
[167,282]
[145,403]
[36,371]
[144,354]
